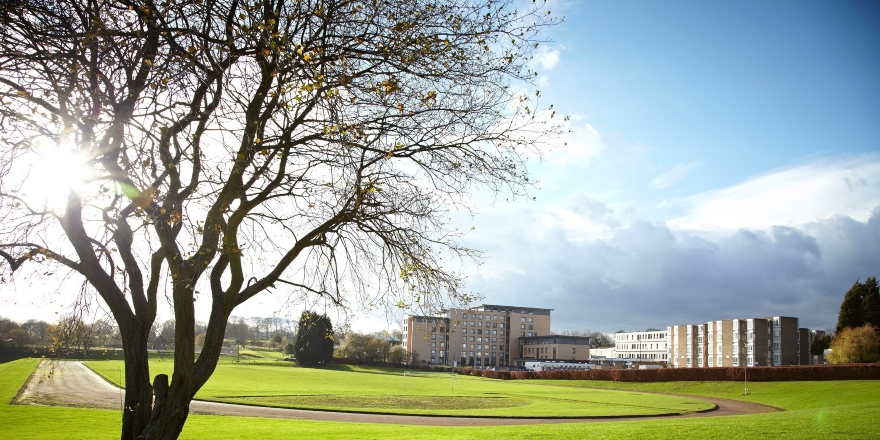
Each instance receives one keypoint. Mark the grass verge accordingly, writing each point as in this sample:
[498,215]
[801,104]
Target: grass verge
[384,390]
[813,412]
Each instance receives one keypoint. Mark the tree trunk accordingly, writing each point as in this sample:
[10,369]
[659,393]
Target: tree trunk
[169,416]
[138,392]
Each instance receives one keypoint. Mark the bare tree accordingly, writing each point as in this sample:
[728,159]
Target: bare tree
[229,147]
[597,339]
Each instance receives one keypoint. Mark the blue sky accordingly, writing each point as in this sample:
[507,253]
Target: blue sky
[724,163]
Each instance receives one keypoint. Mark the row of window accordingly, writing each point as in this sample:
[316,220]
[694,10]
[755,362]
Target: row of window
[479,339]
[479,331]
[479,316]
[480,347]
[480,324]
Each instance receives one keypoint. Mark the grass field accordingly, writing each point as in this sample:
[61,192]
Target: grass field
[834,409]
[365,389]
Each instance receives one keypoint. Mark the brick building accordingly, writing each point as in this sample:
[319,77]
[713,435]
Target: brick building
[487,335]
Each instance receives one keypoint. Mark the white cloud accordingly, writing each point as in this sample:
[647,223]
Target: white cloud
[848,186]
[577,147]
[546,57]
[672,176]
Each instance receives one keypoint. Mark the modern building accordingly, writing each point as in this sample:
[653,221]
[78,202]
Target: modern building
[608,352]
[770,341]
[649,345]
[486,335]
[554,348]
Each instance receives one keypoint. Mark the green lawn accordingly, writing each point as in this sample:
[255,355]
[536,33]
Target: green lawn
[352,388]
[835,410]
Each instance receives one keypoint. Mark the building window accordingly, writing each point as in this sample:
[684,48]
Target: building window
[522,319]
[531,320]
[522,327]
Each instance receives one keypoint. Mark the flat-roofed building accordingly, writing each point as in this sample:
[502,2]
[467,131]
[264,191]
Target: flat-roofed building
[748,342]
[687,345]
[649,345]
[554,348]
[487,335]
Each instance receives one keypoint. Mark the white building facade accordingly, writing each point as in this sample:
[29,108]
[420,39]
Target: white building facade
[650,345]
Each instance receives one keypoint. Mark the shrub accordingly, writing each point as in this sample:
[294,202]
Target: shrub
[860,344]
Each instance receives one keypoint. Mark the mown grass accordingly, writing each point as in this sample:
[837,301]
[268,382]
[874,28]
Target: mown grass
[789,395]
[814,413]
[351,388]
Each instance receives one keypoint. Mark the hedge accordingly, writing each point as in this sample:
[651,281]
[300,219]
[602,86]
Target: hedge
[755,374]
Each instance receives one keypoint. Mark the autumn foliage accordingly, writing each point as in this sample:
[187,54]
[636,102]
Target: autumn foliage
[861,344]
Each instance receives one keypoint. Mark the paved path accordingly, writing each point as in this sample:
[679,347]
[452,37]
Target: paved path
[70,383]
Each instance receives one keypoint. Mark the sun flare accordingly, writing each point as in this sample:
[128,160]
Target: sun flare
[53,175]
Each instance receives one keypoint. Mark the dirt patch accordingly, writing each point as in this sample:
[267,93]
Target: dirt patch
[70,383]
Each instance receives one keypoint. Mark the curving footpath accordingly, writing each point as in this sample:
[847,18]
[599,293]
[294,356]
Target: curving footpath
[71,383]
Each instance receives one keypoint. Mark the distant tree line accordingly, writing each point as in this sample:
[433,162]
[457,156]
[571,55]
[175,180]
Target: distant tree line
[74,333]
[598,339]
[373,348]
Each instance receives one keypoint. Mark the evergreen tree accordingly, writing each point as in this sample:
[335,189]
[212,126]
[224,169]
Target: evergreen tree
[852,309]
[872,302]
[314,340]
[820,343]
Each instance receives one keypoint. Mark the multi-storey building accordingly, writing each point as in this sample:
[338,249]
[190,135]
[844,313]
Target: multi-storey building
[739,342]
[652,345]
[686,344]
[482,336]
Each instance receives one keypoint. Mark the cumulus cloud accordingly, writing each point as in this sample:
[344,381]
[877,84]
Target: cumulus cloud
[640,274]
[546,58]
[673,176]
[848,186]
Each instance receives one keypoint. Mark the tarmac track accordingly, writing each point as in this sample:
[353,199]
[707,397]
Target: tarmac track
[70,383]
